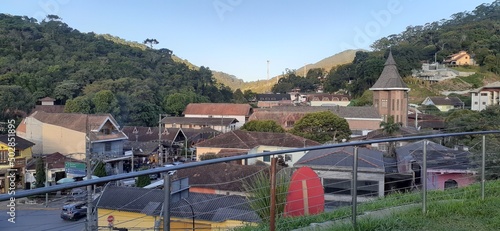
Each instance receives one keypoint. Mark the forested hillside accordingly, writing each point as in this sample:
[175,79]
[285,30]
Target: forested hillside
[94,74]
[477,32]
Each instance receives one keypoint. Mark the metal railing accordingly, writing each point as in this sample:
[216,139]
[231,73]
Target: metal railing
[38,191]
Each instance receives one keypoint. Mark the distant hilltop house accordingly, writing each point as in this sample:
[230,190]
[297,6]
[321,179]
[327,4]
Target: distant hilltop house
[444,103]
[271,100]
[461,58]
[485,96]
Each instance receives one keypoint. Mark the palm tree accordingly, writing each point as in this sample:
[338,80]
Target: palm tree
[390,128]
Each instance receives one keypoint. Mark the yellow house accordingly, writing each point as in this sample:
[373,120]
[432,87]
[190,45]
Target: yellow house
[444,103]
[139,208]
[461,58]
[13,161]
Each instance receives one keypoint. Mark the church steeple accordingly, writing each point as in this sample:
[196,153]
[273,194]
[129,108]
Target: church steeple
[390,78]
[390,93]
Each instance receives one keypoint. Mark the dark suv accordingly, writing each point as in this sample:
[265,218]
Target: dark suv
[74,211]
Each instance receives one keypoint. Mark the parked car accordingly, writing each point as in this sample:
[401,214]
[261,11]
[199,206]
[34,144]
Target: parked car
[78,194]
[74,211]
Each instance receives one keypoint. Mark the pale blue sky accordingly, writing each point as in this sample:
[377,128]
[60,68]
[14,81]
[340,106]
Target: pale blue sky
[239,36]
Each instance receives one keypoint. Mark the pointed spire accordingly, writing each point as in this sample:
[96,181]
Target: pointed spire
[390,59]
[390,78]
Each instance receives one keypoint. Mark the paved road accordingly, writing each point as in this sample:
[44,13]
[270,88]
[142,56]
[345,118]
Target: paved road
[37,217]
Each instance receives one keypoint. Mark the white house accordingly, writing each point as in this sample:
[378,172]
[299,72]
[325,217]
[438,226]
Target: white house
[485,96]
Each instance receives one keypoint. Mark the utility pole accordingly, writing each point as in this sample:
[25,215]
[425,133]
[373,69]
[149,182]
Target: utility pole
[160,151]
[89,225]
[46,181]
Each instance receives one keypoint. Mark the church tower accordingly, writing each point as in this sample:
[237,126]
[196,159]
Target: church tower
[390,93]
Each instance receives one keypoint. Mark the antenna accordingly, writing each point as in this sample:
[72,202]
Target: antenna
[267,69]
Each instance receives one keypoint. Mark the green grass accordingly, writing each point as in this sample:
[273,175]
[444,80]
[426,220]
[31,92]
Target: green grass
[476,80]
[458,209]
[467,68]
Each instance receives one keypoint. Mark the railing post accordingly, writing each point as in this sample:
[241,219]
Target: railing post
[272,220]
[166,202]
[354,186]
[423,179]
[483,167]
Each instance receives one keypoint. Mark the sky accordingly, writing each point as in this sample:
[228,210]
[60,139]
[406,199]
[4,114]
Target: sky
[239,37]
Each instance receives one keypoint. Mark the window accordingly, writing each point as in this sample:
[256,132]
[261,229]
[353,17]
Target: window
[484,103]
[397,105]
[267,158]
[475,102]
[393,106]
[484,94]
[290,123]
[375,102]
[288,157]
[384,103]
[107,147]
[106,131]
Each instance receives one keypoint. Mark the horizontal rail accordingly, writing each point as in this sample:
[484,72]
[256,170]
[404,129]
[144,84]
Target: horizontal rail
[37,191]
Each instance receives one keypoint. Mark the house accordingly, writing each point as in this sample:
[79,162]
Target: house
[361,120]
[460,59]
[219,124]
[334,167]
[143,142]
[390,93]
[66,133]
[272,100]
[243,142]
[485,96]
[328,100]
[143,209]
[221,178]
[56,168]
[444,103]
[47,105]
[15,162]
[446,167]
[241,112]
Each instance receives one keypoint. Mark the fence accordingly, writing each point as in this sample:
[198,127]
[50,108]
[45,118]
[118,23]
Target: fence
[223,210]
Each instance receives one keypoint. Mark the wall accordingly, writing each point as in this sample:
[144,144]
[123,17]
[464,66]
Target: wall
[435,180]
[34,130]
[347,175]
[241,118]
[261,148]
[396,104]
[204,150]
[63,140]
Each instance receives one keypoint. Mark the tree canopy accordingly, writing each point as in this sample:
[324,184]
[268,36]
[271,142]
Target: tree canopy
[92,73]
[322,127]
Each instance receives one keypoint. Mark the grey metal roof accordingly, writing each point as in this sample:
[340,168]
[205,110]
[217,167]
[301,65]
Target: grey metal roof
[445,100]
[390,78]
[438,156]
[210,207]
[343,157]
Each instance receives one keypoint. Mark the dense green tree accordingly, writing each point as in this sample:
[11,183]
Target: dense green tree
[100,169]
[175,103]
[143,180]
[40,176]
[67,89]
[15,102]
[322,127]
[263,126]
[239,97]
[105,102]
[390,128]
[80,104]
